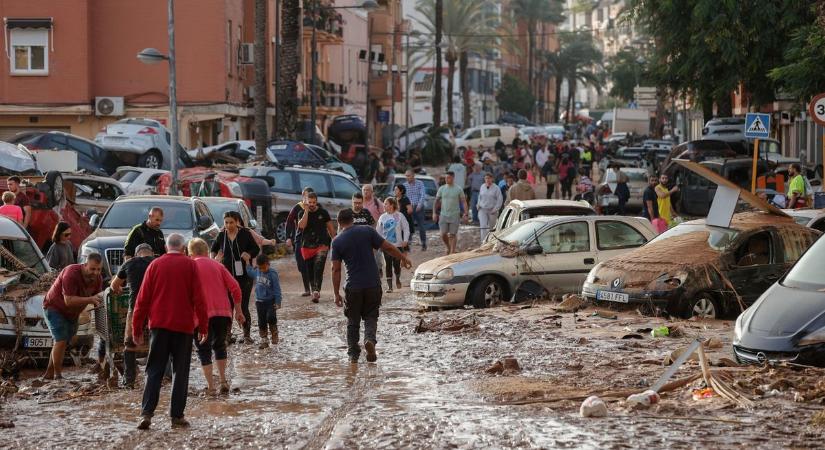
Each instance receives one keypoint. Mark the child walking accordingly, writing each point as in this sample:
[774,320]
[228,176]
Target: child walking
[393,226]
[267,299]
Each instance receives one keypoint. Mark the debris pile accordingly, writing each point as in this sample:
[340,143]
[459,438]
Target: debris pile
[466,323]
[507,365]
[570,303]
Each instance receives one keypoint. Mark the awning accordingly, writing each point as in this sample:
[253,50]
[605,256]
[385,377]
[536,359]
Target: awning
[28,22]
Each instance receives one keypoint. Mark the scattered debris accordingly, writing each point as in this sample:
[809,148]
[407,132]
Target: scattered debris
[632,336]
[508,365]
[645,399]
[447,325]
[570,303]
[701,394]
[604,315]
[593,406]
[660,332]
[818,419]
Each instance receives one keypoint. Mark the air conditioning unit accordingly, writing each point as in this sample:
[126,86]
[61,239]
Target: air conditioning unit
[246,55]
[108,106]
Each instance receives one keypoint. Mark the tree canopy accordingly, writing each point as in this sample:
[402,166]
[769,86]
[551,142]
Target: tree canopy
[515,96]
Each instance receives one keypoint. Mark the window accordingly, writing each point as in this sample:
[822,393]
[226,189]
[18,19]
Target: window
[566,238]
[57,141]
[317,181]
[493,132]
[283,182]
[756,251]
[202,210]
[29,51]
[343,188]
[475,134]
[126,176]
[612,235]
[93,190]
[83,147]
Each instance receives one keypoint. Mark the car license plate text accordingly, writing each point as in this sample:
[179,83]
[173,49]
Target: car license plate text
[423,287]
[32,342]
[618,297]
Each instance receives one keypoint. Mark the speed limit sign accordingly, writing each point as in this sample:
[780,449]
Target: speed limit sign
[817,109]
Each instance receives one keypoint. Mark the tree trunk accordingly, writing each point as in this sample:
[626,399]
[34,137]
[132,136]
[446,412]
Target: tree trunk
[707,105]
[464,85]
[290,68]
[557,105]
[451,59]
[571,99]
[261,90]
[439,25]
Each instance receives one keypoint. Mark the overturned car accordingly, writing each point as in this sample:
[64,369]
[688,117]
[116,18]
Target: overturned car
[25,278]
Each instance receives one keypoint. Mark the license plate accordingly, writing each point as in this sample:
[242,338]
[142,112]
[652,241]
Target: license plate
[423,287]
[612,296]
[31,342]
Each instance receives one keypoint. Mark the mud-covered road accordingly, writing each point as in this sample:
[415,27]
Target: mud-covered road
[432,389]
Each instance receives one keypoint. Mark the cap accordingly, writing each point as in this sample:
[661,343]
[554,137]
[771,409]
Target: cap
[142,247]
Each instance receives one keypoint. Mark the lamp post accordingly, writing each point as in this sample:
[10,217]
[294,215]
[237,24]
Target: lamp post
[153,56]
[367,5]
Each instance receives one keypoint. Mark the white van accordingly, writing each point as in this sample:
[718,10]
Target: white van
[485,135]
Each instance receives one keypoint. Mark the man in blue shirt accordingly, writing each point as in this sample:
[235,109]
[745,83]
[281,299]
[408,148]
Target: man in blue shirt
[354,246]
[417,193]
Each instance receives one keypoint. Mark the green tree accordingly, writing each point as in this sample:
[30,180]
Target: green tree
[515,96]
[290,68]
[625,72]
[801,74]
[577,61]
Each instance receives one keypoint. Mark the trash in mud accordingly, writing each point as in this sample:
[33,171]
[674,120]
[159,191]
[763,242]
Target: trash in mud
[660,332]
[7,387]
[447,325]
[604,315]
[632,336]
[593,406]
[702,394]
[713,343]
[570,303]
[643,399]
[6,424]
[507,365]
[818,419]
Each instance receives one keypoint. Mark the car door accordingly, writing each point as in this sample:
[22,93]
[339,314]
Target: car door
[695,193]
[285,188]
[491,135]
[751,276]
[566,259]
[504,219]
[614,237]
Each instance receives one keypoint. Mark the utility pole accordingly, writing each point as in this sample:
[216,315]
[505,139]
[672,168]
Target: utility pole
[173,102]
[277,67]
[313,95]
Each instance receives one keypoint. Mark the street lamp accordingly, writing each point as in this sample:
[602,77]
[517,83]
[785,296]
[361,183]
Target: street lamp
[153,56]
[367,5]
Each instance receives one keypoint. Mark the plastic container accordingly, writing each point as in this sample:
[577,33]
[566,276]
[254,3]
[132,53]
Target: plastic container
[646,398]
[593,406]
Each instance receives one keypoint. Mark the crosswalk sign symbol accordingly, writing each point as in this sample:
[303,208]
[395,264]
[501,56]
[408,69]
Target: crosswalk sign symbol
[757,125]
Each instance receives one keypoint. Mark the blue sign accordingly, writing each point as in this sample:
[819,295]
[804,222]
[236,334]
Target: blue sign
[384,116]
[757,125]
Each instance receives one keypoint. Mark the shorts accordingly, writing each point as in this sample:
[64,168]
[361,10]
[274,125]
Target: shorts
[62,329]
[447,226]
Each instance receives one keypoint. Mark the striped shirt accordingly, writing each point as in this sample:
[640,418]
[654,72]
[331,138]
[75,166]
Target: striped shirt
[415,192]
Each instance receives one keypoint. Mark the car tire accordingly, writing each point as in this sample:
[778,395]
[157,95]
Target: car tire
[54,180]
[280,228]
[151,160]
[702,305]
[487,292]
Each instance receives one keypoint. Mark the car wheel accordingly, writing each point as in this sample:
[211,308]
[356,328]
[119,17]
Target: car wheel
[150,160]
[487,292]
[703,306]
[55,181]
[280,228]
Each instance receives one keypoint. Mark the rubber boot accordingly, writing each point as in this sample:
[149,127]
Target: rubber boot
[274,332]
[264,343]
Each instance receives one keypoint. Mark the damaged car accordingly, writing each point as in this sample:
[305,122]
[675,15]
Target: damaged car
[696,269]
[25,277]
[518,210]
[537,257]
[787,323]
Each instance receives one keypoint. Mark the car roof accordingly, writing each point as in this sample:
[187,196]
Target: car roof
[809,213]
[221,200]
[155,198]
[542,203]
[9,229]
[84,176]
[141,169]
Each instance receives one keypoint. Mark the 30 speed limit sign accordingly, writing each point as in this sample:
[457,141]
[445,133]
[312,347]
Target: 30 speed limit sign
[817,109]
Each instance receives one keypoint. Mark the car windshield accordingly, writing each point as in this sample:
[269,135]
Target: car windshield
[218,208]
[521,232]
[718,238]
[807,273]
[24,251]
[176,216]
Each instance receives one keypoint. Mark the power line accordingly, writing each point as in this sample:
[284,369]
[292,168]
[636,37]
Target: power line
[493,35]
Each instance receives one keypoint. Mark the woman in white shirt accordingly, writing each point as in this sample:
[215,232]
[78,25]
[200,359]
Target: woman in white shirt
[393,226]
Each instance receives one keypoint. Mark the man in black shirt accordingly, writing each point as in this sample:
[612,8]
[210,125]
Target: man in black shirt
[131,272]
[318,231]
[650,201]
[360,215]
[148,232]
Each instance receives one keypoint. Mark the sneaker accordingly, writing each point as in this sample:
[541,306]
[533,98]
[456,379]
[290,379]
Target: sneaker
[224,388]
[316,296]
[179,422]
[145,423]
[398,284]
[369,346]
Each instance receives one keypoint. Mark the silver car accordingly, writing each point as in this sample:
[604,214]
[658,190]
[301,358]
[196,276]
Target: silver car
[518,210]
[544,255]
[636,182]
[141,142]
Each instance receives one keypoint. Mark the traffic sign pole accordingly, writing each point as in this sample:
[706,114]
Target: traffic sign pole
[755,159]
[757,126]
[817,111]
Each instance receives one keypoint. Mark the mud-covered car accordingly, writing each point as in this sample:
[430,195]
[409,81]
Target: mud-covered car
[25,277]
[695,269]
[539,256]
[787,323]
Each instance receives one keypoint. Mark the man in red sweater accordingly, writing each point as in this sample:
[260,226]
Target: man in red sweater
[170,297]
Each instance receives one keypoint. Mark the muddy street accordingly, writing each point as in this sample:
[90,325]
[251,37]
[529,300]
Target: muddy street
[437,388]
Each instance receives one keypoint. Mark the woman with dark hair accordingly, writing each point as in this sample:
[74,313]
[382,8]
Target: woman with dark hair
[236,248]
[404,205]
[61,252]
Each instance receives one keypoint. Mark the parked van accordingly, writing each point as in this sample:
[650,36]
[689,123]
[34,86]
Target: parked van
[486,136]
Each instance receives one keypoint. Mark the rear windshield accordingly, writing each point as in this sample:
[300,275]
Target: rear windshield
[808,272]
[176,216]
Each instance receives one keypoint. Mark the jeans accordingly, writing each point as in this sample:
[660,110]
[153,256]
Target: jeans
[418,217]
[302,267]
[246,283]
[162,345]
[267,315]
[474,205]
[551,189]
[391,264]
[486,220]
[215,341]
[566,191]
[315,266]
[361,304]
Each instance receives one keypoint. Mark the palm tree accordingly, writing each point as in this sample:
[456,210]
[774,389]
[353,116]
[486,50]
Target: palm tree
[534,12]
[578,60]
[260,78]
[290,67]
[438,13]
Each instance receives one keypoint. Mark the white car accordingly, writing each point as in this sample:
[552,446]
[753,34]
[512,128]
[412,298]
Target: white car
[486,136]
[138,180]
[93,194]
[142,142]
[242,150]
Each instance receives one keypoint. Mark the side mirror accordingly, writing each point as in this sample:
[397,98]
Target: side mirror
[534,249]
[253,224]
[204,222]
[94,221]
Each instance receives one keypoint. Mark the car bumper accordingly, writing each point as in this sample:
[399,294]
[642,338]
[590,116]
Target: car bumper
[429,294]
[656,298]
[813,355]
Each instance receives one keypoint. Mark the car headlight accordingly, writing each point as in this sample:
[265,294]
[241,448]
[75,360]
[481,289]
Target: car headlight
[591,276]
[3,316]
[85,252]
[817,337]
[667,281]
[737,327]
[235,189]
[444,274]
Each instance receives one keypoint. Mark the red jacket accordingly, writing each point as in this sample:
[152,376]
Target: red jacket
[171,296]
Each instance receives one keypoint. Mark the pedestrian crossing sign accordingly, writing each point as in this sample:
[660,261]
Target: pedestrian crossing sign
[757,125]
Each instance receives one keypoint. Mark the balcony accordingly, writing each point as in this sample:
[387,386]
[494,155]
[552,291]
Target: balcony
[329,26]
[331,97]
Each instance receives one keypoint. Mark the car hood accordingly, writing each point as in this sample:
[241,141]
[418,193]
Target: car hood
[782,311]
[104,238]
[33,306]
[488,254]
